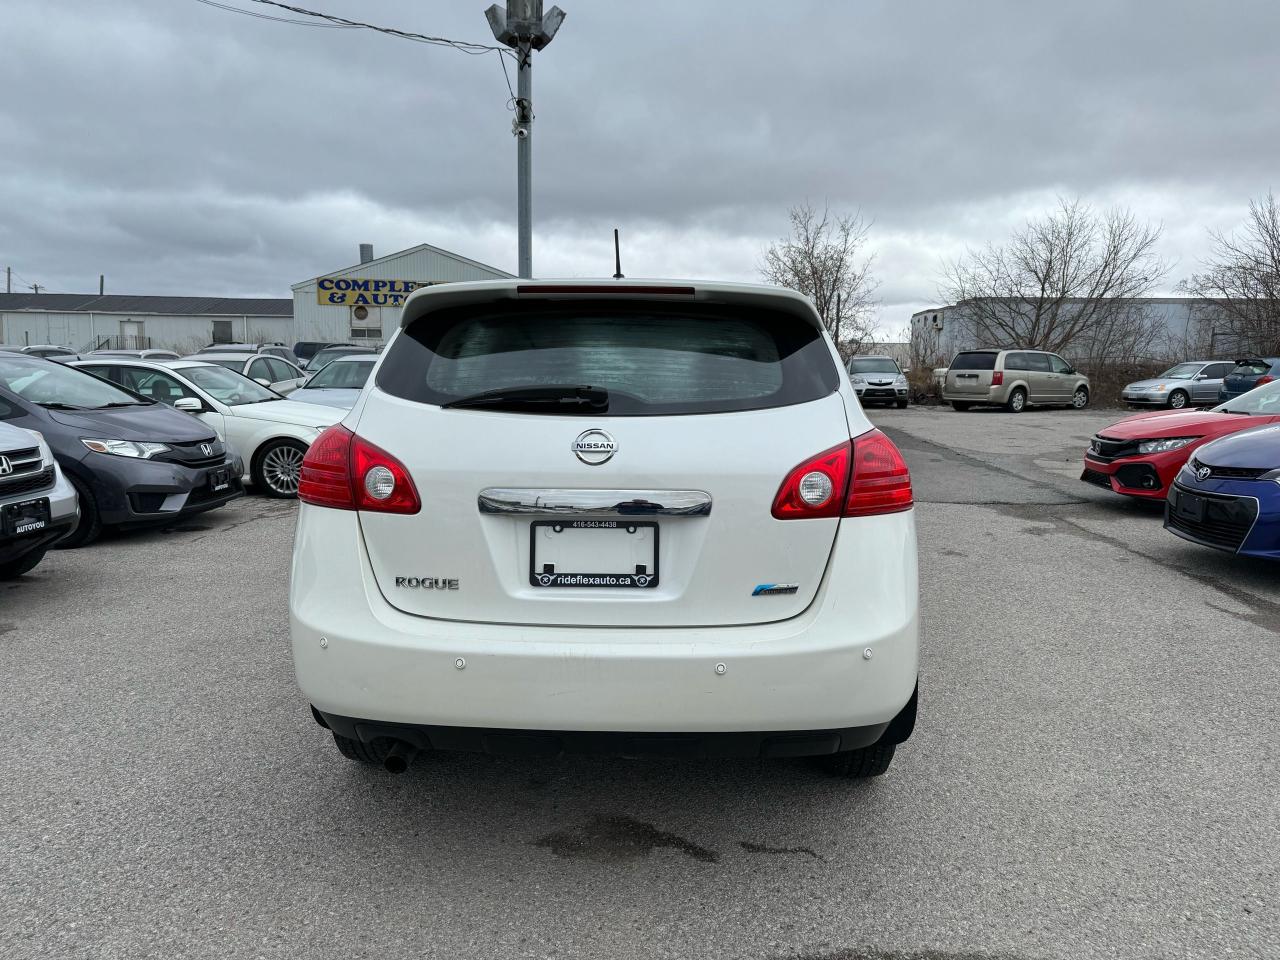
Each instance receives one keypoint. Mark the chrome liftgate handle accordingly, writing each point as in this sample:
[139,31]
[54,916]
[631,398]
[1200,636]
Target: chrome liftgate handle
[621,503]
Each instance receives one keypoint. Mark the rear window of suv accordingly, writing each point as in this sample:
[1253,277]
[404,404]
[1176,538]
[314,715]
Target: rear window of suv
[653,360]
[974,361]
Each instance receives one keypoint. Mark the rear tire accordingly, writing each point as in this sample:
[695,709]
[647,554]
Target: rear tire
[1178,399]
[960,406]
[1080,399]
[89,527]
[872,761]
[24,564]
[360,751]
[1017,401]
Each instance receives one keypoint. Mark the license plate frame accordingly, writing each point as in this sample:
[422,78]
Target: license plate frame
[24,514]
[1189,507]
[553,579]
[219,480]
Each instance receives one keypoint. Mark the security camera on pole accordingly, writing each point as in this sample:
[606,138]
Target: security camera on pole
[524,28]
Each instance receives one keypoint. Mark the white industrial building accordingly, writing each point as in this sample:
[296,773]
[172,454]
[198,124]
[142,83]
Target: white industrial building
[362,302]
[87,322]
[357,303]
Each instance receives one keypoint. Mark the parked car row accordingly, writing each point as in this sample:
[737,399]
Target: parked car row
[1217,470]
[112,440]
[1201,382]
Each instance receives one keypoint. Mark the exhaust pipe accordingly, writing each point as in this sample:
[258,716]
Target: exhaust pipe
[399,757]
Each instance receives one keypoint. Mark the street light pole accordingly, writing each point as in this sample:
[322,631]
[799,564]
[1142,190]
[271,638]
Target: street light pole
[524,158]
[523,27]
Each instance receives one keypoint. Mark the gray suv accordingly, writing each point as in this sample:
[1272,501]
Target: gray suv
[1014,379]
[38,506]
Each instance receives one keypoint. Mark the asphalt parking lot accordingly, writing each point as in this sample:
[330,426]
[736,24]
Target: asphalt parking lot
[1093,775]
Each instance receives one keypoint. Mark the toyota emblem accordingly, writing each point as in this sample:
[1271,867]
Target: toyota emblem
[594,447]
[1203,473]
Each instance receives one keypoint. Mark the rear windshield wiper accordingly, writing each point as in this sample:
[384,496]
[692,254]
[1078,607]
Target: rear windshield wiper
[59,405]
[578,399]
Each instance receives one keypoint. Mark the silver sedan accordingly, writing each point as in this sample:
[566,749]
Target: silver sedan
[1182,385]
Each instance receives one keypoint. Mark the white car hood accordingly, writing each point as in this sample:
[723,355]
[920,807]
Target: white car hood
[286,411]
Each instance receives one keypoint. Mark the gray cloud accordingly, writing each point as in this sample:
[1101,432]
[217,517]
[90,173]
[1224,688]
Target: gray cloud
[176,147]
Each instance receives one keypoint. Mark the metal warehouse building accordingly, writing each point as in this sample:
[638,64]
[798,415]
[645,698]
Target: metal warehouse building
[362,302]
[87,322]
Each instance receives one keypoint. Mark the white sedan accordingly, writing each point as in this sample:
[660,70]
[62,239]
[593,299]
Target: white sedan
[271,433]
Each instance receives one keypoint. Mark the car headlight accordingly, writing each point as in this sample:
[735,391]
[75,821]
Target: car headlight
[859,381]
[1164,446]
[140,449]
[901,381]
[1159,388]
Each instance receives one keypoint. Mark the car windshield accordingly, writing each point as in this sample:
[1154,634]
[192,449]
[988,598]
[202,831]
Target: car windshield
[228,387]
[348,375]
[873,365]
[47,383]
[325,357]
[1260,401]
[1182,371]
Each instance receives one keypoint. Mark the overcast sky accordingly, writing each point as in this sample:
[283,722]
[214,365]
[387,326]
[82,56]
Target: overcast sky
[178,148]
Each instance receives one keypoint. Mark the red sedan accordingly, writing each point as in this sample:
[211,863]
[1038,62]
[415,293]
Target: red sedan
[1140,455]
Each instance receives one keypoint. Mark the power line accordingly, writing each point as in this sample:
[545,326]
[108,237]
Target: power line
[475,49]
[267,16]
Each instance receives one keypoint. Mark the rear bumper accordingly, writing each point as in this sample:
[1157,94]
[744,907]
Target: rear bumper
[848,661]
[634,745]
[994,395]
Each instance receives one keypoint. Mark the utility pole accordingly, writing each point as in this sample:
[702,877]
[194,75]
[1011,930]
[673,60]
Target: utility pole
[35,287]
[8,279]
[524,28]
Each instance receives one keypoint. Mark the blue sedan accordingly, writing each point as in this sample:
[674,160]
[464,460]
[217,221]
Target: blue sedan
[1228,495]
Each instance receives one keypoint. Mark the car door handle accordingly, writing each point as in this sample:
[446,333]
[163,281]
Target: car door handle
[622,503]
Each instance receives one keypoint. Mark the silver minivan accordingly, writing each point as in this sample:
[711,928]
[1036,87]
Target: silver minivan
[1014,379]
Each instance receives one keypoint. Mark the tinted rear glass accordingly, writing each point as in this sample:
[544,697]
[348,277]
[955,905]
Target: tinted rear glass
[974,361]
[653,361]
[1251,368]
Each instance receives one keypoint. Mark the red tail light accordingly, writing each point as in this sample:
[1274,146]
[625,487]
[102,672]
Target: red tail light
[997,378]
[815,488]
[1261,380]
[347,472]
[861,478]
[881,481]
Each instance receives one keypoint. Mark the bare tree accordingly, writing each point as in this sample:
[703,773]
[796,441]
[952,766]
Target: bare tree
[1065,282]
[821,258]
[1241,282]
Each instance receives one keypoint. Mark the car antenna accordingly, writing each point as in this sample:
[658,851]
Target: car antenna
[617,257]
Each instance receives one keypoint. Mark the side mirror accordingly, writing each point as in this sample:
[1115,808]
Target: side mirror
[262,380]
[189,405]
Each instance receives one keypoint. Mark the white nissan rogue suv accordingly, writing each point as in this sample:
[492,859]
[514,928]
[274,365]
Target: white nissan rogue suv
[621,517]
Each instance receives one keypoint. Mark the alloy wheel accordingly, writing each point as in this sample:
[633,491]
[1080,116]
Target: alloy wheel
[281,468]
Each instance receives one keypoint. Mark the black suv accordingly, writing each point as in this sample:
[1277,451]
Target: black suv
[130,459]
